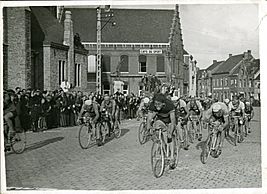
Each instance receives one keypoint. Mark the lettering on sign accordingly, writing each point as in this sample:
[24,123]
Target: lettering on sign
[151,51]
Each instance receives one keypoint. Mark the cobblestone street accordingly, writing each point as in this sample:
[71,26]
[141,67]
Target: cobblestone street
[54,159]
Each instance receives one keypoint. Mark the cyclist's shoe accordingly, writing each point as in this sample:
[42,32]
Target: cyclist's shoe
[172,164]
[186,147]
[249,131]
[200,137]
[8,147]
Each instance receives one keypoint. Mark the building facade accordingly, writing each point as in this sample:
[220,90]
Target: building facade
[40,51]
[143,42]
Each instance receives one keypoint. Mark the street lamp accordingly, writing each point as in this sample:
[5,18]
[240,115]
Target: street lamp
[105,17]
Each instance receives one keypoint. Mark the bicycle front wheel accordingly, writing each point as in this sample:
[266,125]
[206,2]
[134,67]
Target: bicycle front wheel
[85,136]
[176,146]
[141,133]
[157,159]
[206,151]
[18,142]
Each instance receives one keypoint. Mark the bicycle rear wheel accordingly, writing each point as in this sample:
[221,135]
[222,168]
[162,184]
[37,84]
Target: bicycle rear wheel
[142,133]
[104,128]
[18,142]
[85,136]
[117,129]
[157,159]
[191,133]
[241,134]
[177,149]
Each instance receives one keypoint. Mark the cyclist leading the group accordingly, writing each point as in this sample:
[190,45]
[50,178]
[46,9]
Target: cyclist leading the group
[236,107]
[143,107]
[218,112]
[164,111]
[91,109]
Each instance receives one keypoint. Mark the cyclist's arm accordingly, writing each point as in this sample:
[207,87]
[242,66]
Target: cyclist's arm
[81,112]
[96,112]
[102,106]
[150,116]
[113,108]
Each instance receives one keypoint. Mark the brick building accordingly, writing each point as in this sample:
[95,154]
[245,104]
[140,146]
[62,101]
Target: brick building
[142,42]
[39,51]
[236,74]
[204,79]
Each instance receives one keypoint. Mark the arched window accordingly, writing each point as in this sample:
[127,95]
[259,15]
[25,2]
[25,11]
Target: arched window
[142,63]
[124,66]
[105,63]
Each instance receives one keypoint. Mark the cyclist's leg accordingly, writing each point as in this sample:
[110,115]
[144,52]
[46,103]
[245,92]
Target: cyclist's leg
[8,118]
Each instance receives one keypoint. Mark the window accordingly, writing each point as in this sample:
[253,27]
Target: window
[142,63]
[232,82]
[240,83]
[125,89]
[105,63]
[124,63]
[226,82]
[235,82]
[250,83]
[61,71]
[106,88]
[91,63]
[77,75]
[245,83]
[218,82]
[221,81]
[160,63]
[214,82]
[91,77]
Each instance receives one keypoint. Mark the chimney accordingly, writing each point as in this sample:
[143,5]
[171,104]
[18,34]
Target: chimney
[214,61]
[230,55]
[69,41]
[249,52]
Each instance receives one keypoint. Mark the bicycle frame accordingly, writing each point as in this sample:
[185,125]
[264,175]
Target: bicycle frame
[238,128]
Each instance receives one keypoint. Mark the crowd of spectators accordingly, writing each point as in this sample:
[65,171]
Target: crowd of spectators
[40,110]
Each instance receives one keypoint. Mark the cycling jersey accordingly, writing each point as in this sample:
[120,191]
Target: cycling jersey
[180,110]
[194,107]
[108,105]
[236,111]
[164,113]
[90,109]
[248,109]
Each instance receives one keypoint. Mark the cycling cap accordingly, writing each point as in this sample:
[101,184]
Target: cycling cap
[216,108]
[247,103]
[88,102]
[174,98]
[209,94]
[146,100]
[226,100]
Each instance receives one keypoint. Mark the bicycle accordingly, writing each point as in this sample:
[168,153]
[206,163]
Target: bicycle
[183,137]
[160,154]
[17,142]
[212,143]
[238,129]
[86,134]
[193,128]
[247,124]
[143,133]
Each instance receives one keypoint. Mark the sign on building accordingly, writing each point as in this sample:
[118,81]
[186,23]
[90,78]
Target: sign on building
[151,51]
[118,86]
[91,64]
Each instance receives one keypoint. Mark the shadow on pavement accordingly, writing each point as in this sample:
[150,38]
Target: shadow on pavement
[42,143]
[123,132]
[230,139]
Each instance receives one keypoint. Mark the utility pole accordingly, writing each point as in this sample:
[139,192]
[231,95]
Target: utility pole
[98,48]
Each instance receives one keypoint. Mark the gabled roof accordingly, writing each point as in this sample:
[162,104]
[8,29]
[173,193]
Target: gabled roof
[185,52]
[132,25]
[52,30]
[229,64]
[214,65]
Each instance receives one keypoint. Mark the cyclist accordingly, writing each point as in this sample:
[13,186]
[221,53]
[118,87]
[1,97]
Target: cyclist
[163,110]
[90,109]
[110,106]
[236,108]
[195,109]
[143,107]
[250,113]
[181,111]
[226,101]
[9,114]
[218,112]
